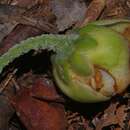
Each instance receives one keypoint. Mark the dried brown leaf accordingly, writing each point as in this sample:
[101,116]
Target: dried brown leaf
[21,32]
[15,14]
[6,28]
[6,112]
[28,3]
[121,115]
[5,1]
[9,11]
[68,12]
[118,129]
[93,11]
[116,9]
[115,114]
[37,114]
[77,121]
[108,118]
[7,25]
[23,3]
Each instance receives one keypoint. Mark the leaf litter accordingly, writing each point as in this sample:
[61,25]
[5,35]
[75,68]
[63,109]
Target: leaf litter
[21,89]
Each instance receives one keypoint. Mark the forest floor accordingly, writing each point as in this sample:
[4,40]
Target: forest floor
[21,19]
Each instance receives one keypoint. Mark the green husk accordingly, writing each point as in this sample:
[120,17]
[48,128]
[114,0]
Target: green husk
[97,46]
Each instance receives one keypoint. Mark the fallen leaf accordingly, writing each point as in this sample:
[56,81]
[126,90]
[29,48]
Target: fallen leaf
[76,121]
[16,14]
[5,1]
[5,29]
[108,118]
[36,114]
[118,129]
[93,11]
[68,12]
[121,115]
[6,112]
[24,3]
[20,32]
[44,90]
[116,9]
[8,11]
[27,3]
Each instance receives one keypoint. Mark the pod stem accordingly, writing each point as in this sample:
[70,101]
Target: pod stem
[56,43]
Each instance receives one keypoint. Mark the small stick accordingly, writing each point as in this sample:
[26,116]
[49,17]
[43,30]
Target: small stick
[10,76]
[17,87]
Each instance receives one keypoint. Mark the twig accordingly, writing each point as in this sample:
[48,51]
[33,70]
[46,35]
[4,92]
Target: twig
[17,87]
[10,76]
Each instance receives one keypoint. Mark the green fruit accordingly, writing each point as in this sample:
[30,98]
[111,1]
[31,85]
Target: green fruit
[97,68]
